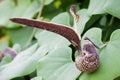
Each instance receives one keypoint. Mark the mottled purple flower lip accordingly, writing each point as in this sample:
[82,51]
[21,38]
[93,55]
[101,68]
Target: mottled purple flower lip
[62,30]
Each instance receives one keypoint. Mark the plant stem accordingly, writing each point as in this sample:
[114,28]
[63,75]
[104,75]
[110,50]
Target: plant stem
[38,16]
[108,28]
[31,37]
[41,8]
[111,21]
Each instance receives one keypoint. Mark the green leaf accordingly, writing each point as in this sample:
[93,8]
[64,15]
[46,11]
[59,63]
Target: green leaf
[104,6]
[22,9]
[21,35]
[23,64]
[96,7]
[112,8]
[95,36]
[58,65]
[48,2]
[53,40]
[62,18]
[5,9]
[109,57]
[83,18]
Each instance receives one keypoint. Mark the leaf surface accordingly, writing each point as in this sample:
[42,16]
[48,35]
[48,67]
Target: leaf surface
[24,63]
[58,63]
[104,6]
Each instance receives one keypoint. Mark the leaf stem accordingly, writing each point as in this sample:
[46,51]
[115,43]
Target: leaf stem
[41,8]
[34,29]
[107,29]
[111,21]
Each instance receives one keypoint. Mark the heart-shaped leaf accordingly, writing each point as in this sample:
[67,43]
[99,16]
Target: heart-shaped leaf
[58,63]
[104,6]
[24,63]
[21,9]
[112,8]
[96,7]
